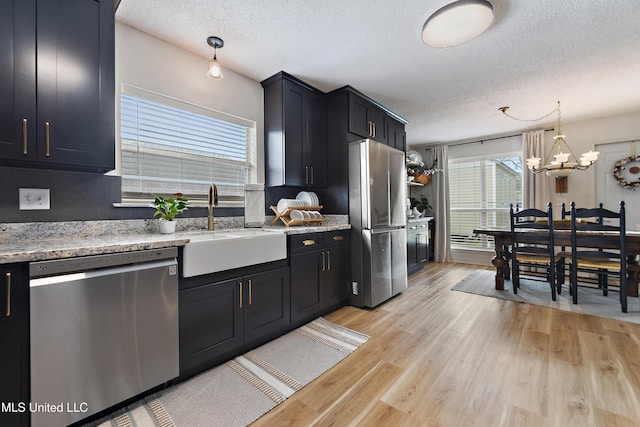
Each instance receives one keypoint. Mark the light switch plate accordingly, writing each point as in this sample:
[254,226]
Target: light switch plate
[34,199]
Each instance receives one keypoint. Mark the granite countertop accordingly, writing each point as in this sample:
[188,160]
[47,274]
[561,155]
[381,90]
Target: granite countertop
[42,241]
[421,219]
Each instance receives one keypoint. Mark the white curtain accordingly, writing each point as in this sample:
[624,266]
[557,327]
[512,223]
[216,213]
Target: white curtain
[440,181]
[537,186]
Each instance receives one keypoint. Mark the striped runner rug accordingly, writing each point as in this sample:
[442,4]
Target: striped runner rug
[243,389]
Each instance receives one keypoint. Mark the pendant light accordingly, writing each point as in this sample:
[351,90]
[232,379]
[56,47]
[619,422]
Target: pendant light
[564,163]
[457,23]
[215,70]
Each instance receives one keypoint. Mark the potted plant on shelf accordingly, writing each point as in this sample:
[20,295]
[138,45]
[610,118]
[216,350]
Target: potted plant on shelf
[423,206]
[167,208]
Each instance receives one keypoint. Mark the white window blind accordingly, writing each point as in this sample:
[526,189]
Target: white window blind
[170,146]
[481,189]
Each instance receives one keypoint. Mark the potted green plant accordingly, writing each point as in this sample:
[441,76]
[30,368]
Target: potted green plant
[167,208]
[423,206]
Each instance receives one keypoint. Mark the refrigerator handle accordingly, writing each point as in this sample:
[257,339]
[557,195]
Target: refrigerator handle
[389,197]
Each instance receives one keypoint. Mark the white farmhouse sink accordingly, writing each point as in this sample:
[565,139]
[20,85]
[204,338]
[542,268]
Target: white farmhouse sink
[224,250]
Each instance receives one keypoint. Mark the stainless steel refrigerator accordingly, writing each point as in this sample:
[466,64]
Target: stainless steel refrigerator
[378,216]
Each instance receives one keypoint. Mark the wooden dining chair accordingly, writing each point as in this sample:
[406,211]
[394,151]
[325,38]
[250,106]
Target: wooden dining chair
[591,251]
[565,221]
[532,245]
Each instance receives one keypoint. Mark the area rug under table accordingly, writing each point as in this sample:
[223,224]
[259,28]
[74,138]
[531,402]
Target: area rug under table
[590,300]
[243,389]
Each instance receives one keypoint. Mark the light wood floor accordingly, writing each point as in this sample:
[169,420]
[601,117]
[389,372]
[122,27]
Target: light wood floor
[438,357]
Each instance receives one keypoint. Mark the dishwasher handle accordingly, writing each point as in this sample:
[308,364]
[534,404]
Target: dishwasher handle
[71,277]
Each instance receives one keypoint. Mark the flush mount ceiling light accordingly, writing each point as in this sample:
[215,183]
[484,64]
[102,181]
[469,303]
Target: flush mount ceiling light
[215,70]
[563,163]
[457,23]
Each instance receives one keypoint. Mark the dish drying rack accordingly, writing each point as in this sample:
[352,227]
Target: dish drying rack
[286,218]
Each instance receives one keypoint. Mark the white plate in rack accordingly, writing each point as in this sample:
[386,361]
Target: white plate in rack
[305,197]
[314,199]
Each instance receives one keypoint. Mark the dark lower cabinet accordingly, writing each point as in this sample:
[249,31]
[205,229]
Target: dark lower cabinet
[216,319]
[266,304]
[418,243]
[319,273]
[14,342]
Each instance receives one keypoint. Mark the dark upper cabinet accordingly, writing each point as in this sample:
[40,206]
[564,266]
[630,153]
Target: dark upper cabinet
[17,79]
[295,133]
[352,116]
[14,341]
[60,109]
[396,135]
[366,119]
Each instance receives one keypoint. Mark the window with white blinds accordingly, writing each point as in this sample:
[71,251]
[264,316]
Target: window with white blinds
[170,146]
[481,189]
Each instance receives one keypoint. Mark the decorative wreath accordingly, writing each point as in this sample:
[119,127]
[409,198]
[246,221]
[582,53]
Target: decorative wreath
[620,166]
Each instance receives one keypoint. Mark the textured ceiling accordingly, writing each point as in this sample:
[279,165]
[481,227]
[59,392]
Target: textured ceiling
[585,53]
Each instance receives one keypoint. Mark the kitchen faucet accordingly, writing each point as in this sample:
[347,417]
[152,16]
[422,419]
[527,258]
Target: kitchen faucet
[213,201]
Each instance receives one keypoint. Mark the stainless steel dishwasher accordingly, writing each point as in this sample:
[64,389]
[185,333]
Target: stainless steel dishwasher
[103,329]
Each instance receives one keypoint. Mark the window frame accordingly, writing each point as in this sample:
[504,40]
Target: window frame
[482,242]
[141,198]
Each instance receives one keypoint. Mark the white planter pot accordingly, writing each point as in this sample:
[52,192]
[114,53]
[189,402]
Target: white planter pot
[167,227]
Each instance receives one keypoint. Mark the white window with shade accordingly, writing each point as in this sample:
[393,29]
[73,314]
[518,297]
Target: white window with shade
[171,146]
[484,180]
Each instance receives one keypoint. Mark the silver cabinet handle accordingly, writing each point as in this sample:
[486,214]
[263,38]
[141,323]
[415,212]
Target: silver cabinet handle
[24,137]
[47,139]
[311,175]
[323,261]
[250,292]
[306,174]
[328,260]
[240,291]
[8,312]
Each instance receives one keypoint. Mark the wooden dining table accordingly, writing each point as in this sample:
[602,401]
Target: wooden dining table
[562,237]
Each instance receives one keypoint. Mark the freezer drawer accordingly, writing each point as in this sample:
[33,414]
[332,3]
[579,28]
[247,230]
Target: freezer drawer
[383,257]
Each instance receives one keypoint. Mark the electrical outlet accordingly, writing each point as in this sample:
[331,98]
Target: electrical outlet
[34,199]
[354,288]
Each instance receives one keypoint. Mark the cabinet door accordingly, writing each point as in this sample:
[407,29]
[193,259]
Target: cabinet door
[359,122]
[422,242]
[295,128]
[210,323]
[431,244]
[412,246]
[336,279]
[396,136]
[378,119]
[307,294]
[266,303]
[315,150]
[14,337]
[75,84]
[17,80]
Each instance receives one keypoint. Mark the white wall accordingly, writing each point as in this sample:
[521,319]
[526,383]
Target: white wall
[149,63]
[584,135]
